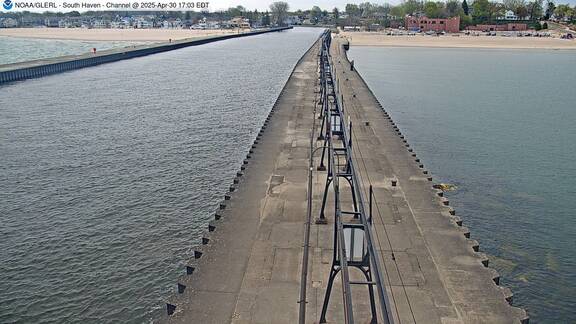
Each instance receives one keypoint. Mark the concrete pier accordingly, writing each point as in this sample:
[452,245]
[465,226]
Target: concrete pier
[249,268]
[38,68]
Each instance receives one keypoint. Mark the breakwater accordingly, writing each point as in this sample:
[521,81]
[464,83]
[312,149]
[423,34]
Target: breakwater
[43,67]
[262,247]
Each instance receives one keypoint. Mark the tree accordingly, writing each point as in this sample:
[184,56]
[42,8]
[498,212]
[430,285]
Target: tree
[383,10]
[316,14]
[432,10]
[236,12]
[537,26]
[511,4]
[397,11]
[266,19]
[352,10]
[535,9]
[279,11]
[481,9]
[484,10]
[550,7]
[336,13]
[452,8]
[521,11]
[519,7]
[465,20]
[367,9]
[465,8]
[563,11]
[498,9]
[412,6]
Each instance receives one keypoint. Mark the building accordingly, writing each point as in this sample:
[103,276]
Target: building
[172,23]
[100,23]
[510,15]
[500,27]
[71,22]
[204,24]
[121,24]
[293,20]
[52,22]
[143,23]
[239,22]
[396,23]
[8,23]
[351,28]
[424,24]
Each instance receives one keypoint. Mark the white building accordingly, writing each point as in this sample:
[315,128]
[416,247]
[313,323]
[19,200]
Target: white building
[141,23]
[238,22]
[293,20]
[51,22]
[120,24]
[510,15]
[8,23]
[173,24]
[100,24]
[351,28]
[205,24]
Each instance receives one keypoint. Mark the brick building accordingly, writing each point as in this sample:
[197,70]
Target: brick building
[500,27]
[424,24]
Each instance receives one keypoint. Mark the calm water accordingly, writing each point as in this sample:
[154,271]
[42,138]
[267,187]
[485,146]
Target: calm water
[14,50]
[500,126]
[110,174]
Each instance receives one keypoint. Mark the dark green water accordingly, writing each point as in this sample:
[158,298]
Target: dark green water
[110,174]
[14,49]
[500,125]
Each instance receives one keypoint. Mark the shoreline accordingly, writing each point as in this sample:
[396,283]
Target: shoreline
[110,35]
[469,47]
[358,39]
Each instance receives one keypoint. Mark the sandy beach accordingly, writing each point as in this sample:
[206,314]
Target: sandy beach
[460,41]
[143,35]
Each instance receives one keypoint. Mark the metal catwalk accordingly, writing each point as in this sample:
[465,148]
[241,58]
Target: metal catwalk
[354,247]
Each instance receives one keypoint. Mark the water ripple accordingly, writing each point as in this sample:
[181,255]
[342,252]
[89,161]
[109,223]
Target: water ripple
[110,174]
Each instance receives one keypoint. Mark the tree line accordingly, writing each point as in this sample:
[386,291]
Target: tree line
[470,12]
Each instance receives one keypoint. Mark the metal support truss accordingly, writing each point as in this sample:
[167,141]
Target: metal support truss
[354,247]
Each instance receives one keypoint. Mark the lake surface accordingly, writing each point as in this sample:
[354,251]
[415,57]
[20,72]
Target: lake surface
[13,49]
[500,125]
[110,174]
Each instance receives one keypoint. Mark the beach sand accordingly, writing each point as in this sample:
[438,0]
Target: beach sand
[461,41]
[144,35]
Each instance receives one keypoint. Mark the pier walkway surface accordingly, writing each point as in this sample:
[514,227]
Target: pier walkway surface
[249,270]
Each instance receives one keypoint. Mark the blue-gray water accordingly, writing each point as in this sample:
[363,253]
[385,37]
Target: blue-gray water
[500,125]
[14,49]
[110,174]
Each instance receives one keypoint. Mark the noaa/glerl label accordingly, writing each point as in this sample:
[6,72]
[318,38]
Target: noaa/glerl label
[164,5]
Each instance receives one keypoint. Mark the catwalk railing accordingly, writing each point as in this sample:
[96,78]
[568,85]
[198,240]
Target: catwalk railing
[354,247]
